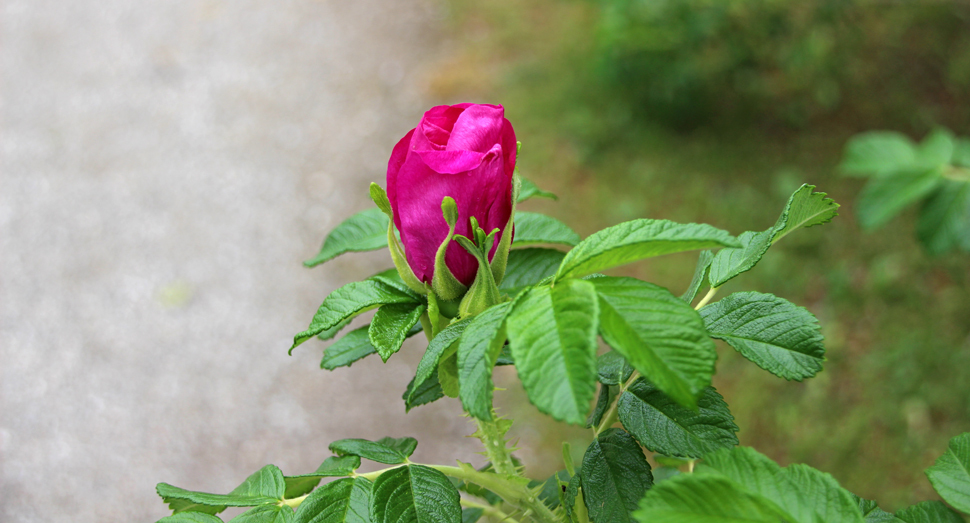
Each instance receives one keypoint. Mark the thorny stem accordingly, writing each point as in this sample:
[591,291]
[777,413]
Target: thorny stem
[493,439]
[489,510]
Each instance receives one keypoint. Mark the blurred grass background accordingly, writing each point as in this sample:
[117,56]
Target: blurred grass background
[713,111]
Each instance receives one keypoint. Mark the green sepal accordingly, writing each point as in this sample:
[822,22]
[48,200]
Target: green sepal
[379,196]
[444,283]
[501,259]
[484,292]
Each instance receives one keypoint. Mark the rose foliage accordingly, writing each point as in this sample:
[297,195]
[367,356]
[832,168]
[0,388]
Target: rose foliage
[491,285]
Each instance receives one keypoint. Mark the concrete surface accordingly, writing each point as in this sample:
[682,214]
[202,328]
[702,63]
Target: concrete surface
[164,168]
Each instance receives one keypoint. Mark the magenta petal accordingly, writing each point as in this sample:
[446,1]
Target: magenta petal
[478,128]
[398,156]
[451,162]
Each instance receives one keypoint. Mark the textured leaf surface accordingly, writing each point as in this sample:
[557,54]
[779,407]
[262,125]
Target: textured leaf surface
[700,275]
[882,198]
[873,514]
[427,392]
[342,501]
[428,365]
[637,240]
[929,512]
[478,350]
[663,426]
[414,494]
[378,451]
[354,346]
[603,402]
[778,336]
[533,228]
[729,263]
[351,300]
[391,325]
[950,475]
[944,221]
[528,189]
[265,486]
[265,514]
[699,498]
[612,368]
[660,335]
[552,332]
[615,475]
[364,231]
[335,466]
[805,208]
[805,494]
[526,267]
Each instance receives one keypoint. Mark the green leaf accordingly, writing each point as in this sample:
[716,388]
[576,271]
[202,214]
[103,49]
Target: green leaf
[528,189]
[807,495]
[334,466]
[637,240]
[330,333]
[526,267]
[265,514]
[478,351]
[778,336]
[471,515]
[427,392]
[351,300]
[263,487]
[612,368]
[405,445]
[877,152]
[343,501]
[355,345]
[533,228]
[297,486]
[729,263]
[936,150]
[700,275]
[944,221]
[663,426]
[950,475]
[873,514]
[602,404]
[660,335]
[436,348]
[378,451]
[615,475]
[819,497]
[699,498]
[190,517]
[415,494]
[448,372]
[929,512]
[961,152]
[567,497]
[805,208]
[551,488]
[364,231]
[391,325]
[552,332]
[883,197]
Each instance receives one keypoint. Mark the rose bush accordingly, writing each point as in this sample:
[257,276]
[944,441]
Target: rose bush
[466,152]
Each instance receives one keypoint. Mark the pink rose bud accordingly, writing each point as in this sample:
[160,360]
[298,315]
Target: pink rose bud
[467,152]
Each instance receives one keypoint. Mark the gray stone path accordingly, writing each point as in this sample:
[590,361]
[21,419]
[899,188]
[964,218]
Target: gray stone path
[164,168]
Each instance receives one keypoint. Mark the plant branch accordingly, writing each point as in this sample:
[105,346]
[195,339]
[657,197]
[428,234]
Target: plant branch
[493,439]
[488,510]
[707,297]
